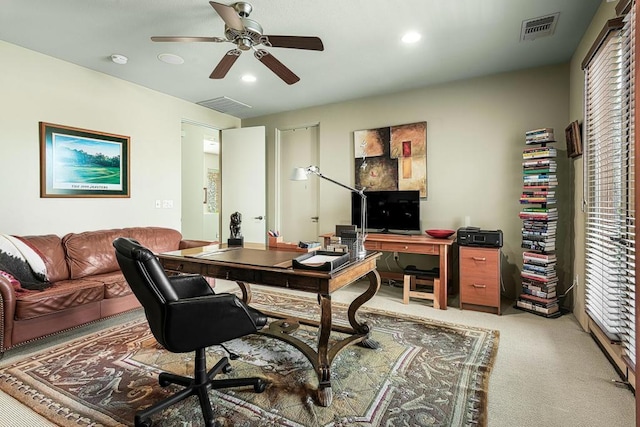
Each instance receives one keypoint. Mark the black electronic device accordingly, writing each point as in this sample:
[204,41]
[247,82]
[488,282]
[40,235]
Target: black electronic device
[474,236]
[389,211]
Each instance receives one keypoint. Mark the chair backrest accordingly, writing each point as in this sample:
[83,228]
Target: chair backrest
[147,280]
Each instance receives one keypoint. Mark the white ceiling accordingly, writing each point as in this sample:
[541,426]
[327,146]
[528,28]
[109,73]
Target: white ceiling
[363,53]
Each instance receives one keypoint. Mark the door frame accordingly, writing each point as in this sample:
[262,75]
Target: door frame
[278,166]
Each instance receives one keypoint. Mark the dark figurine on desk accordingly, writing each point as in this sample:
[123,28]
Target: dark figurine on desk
[236,238]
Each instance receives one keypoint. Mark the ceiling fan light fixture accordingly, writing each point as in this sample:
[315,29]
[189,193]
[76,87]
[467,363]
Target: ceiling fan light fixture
[411,37]
[249,78]
[170,58]
[119,59]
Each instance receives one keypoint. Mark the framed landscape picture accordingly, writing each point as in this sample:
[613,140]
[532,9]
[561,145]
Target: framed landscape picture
[82,163]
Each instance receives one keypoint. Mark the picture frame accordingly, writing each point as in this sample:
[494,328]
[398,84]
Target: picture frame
[78,162]
[574,139]
[391,158]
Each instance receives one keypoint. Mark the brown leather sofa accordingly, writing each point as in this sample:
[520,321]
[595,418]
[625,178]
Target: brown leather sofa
[87,282]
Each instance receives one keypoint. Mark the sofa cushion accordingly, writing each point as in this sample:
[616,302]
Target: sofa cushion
[92,252]
[49,247]
[115,285]
[62,295]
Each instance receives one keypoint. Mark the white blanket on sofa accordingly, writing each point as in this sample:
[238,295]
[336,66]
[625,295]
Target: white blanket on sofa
[16,257]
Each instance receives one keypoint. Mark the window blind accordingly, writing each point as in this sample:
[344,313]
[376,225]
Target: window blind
[628,332]
[609,186]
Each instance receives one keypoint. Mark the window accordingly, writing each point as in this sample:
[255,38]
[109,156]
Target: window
[609,183]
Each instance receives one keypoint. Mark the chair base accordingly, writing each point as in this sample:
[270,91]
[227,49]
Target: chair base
[199,385]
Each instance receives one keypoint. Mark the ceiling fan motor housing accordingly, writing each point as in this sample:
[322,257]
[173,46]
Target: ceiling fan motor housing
[247,38]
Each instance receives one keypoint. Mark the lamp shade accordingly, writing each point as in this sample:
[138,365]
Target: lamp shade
[299,174]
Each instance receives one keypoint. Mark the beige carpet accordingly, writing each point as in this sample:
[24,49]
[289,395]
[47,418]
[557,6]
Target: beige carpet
[425,373]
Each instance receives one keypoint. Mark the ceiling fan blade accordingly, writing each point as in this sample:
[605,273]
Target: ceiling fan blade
[228,15]
[187,39]
[276,66]
[225,64]
[296,42]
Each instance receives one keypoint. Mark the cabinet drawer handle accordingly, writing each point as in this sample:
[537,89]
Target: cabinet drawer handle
[406,247]
[477,258]
[475,285]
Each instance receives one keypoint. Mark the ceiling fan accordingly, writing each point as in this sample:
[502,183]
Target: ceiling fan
[246,34]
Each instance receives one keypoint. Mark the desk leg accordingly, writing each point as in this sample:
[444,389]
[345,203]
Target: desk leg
[444,276]
[325,393]
[245,288]
[363,328]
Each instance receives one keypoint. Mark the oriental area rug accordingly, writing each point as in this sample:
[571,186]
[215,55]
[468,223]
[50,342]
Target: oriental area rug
[424,373]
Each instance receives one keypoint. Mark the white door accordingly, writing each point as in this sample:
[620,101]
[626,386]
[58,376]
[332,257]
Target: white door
[298,205]
[243,168]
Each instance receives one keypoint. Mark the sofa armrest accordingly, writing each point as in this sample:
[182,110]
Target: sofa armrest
[7,313]
[188,243]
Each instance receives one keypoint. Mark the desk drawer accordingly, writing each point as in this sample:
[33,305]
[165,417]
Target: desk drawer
[409,248]
[177,266]
[479,292]
[310,284]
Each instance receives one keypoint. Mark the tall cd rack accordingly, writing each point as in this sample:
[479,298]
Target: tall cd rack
[539,216]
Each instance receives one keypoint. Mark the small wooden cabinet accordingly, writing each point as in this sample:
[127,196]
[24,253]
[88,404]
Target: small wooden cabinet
[480,278]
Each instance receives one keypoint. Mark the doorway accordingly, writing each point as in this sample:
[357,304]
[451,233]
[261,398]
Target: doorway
[297,201]
[201,182]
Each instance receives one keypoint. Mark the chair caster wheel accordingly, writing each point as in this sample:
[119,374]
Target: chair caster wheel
[260,386]
[227,368]
[143,423]
[162,380]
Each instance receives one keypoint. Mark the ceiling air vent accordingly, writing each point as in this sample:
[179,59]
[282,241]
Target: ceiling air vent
[539,27]
[225,105]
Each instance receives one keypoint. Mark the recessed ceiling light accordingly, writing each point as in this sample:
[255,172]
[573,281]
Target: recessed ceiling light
[170,58]
[248,78]
[411,37]
[119,59]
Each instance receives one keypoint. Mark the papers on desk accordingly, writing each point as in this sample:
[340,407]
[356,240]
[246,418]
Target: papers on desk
[320,261]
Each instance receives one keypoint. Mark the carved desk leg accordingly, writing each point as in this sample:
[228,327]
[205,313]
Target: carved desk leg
[363,328]
[325,394]
[245,288]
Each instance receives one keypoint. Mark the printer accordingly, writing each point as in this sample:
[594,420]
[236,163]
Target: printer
[474,236]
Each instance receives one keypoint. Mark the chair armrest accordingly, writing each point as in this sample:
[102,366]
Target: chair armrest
[190,285]
[205,321]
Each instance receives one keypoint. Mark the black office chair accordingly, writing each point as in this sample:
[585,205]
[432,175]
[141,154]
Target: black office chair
[185,315]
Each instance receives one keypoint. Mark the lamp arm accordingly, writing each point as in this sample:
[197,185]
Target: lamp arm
[338,183]
[362,234]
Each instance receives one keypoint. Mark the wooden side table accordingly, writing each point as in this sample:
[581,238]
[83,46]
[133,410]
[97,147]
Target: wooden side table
[480,278]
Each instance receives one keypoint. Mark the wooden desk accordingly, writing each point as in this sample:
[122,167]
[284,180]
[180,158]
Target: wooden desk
[273,268]
[412,244]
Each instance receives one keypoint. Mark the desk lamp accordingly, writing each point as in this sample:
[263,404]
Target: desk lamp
[302,174]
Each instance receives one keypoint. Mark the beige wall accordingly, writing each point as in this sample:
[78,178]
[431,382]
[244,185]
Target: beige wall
[36,88]
[475,137]
[576,112]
